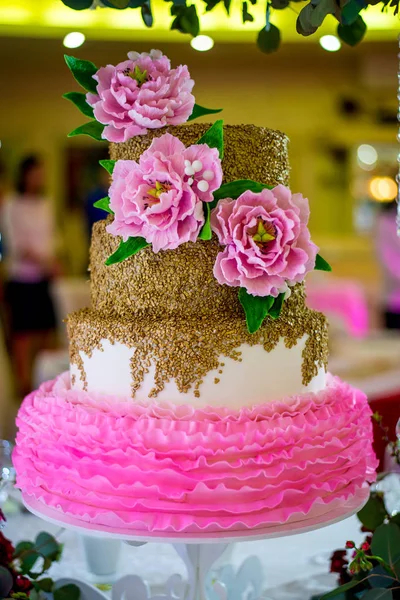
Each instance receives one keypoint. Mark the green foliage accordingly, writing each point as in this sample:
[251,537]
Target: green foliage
[276,308]
[351,27]
[214,137]
[235,188]
[83,71]
[104,204]
[79,100]
[246,16]
[373,513]
[256,308]
[186,19]
[108,165]
[269,39]
[353,33]
[126,249]
[321,264]
[386,543]
[201,111]
[93,129]
[206,233]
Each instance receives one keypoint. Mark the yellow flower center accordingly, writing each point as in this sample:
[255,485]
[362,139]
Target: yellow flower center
[154,193]
[138,75]
[264,233]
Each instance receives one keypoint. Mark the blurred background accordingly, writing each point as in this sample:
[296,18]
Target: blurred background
[338,105]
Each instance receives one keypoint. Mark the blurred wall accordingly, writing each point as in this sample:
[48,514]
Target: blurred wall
[326,103]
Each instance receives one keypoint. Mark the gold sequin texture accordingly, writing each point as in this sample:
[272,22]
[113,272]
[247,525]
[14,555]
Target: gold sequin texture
[169,307]
[186,349]
[250,152]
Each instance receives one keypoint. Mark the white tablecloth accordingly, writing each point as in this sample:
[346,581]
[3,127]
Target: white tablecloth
[295,567]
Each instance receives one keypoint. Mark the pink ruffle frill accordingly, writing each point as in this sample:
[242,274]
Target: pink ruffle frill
[161,468]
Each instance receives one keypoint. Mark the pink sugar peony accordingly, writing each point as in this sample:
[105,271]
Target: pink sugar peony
[160,198]
[141,93]
[267,241]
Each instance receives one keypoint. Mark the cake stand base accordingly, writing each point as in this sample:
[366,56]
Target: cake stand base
[208,577]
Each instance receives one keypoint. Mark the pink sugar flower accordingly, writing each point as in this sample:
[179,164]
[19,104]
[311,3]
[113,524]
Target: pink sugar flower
[139,94]
[160,198]
[267,241]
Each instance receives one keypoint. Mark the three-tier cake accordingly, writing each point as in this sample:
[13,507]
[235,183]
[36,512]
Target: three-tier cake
[197,400]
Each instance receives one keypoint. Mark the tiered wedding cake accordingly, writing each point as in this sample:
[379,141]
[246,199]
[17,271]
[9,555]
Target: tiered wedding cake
[197,400]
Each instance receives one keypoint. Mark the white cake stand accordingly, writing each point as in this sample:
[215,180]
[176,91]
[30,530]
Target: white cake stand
[199,553]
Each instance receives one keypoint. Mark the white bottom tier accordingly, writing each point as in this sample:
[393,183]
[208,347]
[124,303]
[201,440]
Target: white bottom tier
[259,377]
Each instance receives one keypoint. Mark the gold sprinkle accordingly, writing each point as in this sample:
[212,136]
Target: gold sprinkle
[216,380]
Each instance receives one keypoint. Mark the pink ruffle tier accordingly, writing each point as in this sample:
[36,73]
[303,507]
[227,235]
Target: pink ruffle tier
[161,468]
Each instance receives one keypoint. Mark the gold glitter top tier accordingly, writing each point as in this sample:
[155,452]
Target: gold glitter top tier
[250,152]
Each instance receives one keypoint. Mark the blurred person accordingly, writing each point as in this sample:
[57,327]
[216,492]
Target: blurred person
[29,233]
[388,250]
[93,214]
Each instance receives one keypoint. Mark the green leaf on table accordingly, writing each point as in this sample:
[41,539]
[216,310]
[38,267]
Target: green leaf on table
[206,233]
[70,591]
[108,165]
[246,16]
[214,137]
[321,264]
[28,561]
[104,204]
[46,585]
[386,543]
[83,71]
[235,188]
[269,39]
[93,129]
[352,34]
[35,594]
[378,594]
[78,4]
[276,308]
[201,111]
[79,100]
[256,308]
[373,513]
[126,249]
[23,547]
[6,582]
[341,589]
[48,546]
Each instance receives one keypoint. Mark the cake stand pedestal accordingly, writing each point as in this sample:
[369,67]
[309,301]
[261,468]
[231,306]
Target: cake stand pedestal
[208,577]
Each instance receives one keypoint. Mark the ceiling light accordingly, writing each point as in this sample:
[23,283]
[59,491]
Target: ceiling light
[383,189]
[74,39]
[202,43]
[330,43]
[367,156]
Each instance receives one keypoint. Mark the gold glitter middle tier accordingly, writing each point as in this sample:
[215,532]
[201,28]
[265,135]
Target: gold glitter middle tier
[250,152]
[185,348]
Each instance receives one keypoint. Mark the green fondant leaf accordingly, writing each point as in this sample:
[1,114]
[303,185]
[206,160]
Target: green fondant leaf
[206,233]
[276,308]
[214,137]
[104,204]
[127,249]
[93,129]
[201,111]
[321,264]
[108,165]
[256,308]
[79,100]
[235,188]
[83,71]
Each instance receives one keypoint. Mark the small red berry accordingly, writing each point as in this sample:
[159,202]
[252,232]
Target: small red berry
[350,544]
[365,546]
